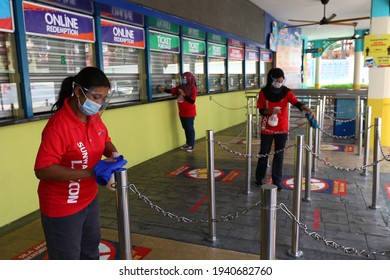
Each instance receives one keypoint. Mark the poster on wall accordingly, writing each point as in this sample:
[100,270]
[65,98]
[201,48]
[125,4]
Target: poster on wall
[6,21]
[273,37]
[51,22]
[377,50]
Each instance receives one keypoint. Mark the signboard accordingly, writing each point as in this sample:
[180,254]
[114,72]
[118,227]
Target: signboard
[215,50]
[236,53]
[265,56]
[377,50]
[163,25]
[123,35]
[80,5]
[315,50]
[252,55]
[117,13]
[216,38]
[193,33]
[194,47]
[46,21]
[164,42]
[6,21]
[235,43]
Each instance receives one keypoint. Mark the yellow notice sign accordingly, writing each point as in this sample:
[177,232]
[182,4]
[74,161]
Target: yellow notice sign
[377,50]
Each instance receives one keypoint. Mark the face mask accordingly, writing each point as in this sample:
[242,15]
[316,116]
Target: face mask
[184,81]
[89,107]
[276,84]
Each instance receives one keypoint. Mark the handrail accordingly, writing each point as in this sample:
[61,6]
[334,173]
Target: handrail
[339,93]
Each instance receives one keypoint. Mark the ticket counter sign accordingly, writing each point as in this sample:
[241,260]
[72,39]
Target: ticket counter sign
[194,47]
[6,22]
[215,50]
[123,35]
[164,42]
[51,22]
[377,50]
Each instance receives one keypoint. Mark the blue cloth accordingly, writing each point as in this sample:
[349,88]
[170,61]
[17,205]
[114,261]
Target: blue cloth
[312,121]
[104,169]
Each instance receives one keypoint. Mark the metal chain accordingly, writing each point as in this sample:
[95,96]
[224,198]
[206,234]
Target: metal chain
[211,98]
[341,121]
[336,136]
[226,218]
[316,236]
[327,163]
[237,137]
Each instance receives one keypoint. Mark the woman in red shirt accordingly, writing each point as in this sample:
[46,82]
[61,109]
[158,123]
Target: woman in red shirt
[186,96]
[273,106]
[73,142]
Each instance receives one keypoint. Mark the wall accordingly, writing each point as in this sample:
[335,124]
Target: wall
[140,132]
[237,17]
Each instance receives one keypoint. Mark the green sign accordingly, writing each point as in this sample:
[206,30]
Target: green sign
[194,47]
[193,33]
[164,42]
[216,38]
[215,50]
[163,25]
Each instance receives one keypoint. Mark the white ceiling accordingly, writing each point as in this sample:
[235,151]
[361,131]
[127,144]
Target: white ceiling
[283,10]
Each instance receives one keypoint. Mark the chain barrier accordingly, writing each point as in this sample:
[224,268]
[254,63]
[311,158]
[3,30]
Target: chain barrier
[332,244]
[341,121]
[226,218]
[229,217]
[234,140]
[238,108]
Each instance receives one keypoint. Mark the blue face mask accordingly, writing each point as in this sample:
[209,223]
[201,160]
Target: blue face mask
[183,81]
[89,107]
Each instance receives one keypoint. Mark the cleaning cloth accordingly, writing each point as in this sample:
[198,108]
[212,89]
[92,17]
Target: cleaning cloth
[103,169]
[312,121]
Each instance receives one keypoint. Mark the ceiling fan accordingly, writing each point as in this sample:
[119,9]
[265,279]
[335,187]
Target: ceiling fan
[355,36]
[327,20]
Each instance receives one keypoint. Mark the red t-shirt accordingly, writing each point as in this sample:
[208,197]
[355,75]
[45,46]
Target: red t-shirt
[69,142]
[186,109]
[282,126]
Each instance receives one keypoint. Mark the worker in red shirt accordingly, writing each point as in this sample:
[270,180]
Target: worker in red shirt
[273,106]
[73,143]
[186,96]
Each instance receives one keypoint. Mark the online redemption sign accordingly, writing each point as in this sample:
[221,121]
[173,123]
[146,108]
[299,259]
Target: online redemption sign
[377,50]
[6,22]
[123,35]
[47,21]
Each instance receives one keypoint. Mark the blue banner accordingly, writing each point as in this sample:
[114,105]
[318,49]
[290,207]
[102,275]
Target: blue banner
[121,14]
[124,35]
[85,6]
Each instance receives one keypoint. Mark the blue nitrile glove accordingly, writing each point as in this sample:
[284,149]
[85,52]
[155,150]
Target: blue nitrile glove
[312,121]
[104,169]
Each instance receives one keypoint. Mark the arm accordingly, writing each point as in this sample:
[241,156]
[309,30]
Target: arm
[110,150]
[61,173]
[190,99]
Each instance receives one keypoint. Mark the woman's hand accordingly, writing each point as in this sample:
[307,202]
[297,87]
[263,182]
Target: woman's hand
[181,92]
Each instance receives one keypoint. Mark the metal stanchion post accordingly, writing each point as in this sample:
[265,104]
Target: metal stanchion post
[123,214]
[316,139]
[294,251]
[357,119]
[268,222]
[211,185]
[376,168]
[361,128]
[309,159]
[321,125]
[367,140]
[249,153]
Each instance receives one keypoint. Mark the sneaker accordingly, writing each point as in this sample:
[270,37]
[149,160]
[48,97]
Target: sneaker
[185,147]
[190,149]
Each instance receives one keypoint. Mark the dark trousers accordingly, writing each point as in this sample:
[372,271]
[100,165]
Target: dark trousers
[74,237]
[188,126]
[277,163]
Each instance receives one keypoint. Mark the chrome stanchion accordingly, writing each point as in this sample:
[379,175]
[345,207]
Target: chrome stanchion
[123,214]
[376,168]
[294,251]
[249,153]
[367,140]
[211,185]
[268,222]
[316,139]
[309,159]
[357,113]
[361,128]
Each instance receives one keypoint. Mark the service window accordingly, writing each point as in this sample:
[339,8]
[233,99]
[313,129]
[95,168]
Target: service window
[50,61]
[216,67]
[9,102]
[235,68]
[251,69]
[194,61]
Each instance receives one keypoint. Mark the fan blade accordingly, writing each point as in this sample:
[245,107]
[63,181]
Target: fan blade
[299,20]
[349,19]
[300,25]
[340,23]
[331,17]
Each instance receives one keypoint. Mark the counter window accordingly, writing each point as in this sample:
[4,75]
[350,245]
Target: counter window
[195,65]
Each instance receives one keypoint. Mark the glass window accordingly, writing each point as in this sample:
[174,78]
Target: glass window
[251,74]
[235,74]
[217,75]
[165,71]
[9,102]
[50,61]
[195,65]
[122,66]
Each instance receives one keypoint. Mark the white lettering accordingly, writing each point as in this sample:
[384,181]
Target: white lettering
[162,24]
[194,47]
[74,190]
[164,42]
[61,24]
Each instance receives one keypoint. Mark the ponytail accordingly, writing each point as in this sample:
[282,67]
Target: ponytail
[65,91]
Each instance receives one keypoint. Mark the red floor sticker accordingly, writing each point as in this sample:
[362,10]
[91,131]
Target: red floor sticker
[338,148]
[198,204]
[109,250]
[316,221]
[339,187]
[387,186]
[222,175]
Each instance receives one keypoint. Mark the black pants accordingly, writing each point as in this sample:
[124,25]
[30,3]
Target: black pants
[74,237]
[277,164]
